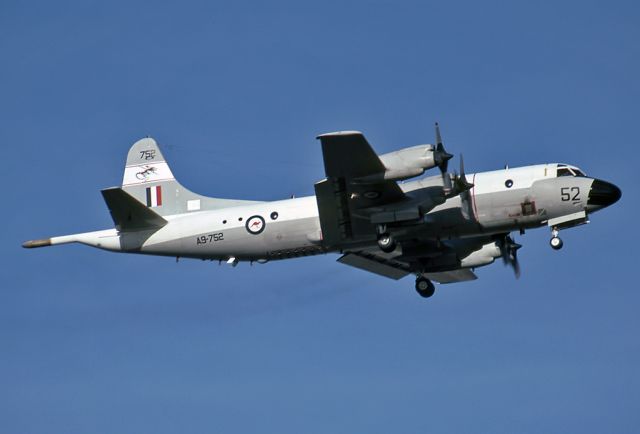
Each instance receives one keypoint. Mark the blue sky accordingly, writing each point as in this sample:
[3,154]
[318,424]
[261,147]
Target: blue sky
[95,342]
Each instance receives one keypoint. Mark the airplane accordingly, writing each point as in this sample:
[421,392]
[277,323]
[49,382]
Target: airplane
[439,228]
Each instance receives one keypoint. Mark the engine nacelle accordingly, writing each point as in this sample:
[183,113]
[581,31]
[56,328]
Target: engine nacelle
[403,164]
[408,162]
[485,256]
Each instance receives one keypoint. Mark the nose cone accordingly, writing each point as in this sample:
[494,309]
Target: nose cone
[603,194]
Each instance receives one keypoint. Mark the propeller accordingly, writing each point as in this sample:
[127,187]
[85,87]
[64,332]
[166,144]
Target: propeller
[440,155]
[460,182]
[461,188]
[457,184]
[509,250]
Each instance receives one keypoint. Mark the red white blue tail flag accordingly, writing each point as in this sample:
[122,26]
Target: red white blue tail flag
[154,196]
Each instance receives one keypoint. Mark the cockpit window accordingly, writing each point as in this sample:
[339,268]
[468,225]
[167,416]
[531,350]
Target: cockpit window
[569,171]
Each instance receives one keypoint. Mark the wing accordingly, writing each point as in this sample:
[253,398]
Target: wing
[377,264]
[397,269]
[453,276]
[441,262]
[347,154]
[355,196]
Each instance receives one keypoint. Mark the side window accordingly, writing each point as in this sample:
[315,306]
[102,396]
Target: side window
[564,172]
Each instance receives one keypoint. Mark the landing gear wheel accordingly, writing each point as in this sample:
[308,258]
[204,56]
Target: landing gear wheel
[425,287]
[556,243]
[386,243]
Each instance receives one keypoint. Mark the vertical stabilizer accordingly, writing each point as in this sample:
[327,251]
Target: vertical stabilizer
[148,178]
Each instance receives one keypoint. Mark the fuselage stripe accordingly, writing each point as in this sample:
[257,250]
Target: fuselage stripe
[473,196]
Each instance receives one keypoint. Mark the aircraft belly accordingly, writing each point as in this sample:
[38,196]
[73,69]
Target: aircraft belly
[439,227]
[239,242]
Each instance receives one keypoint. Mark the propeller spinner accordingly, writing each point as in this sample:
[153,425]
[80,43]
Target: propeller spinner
[460,181]
[440,155]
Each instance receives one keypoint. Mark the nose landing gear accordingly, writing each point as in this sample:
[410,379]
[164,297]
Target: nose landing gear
[555,241]
[425,287]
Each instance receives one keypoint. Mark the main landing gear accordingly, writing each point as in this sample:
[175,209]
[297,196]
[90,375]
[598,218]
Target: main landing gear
[425,287]
[386,242]
[555,241]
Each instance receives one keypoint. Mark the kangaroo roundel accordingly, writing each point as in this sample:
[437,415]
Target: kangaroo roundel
[255,224]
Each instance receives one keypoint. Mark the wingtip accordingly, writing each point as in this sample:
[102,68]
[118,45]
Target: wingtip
[36,243]
[339,133]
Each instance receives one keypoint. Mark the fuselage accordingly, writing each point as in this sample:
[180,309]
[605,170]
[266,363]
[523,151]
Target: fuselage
[501,201]
[372,209]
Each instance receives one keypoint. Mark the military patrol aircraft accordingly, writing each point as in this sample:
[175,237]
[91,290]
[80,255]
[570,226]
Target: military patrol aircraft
[439,228]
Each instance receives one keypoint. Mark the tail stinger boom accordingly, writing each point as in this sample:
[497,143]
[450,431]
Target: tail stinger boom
[108,239]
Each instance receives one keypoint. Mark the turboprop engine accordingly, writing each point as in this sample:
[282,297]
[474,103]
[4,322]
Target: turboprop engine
[485,256]
[504,246]
[408,162]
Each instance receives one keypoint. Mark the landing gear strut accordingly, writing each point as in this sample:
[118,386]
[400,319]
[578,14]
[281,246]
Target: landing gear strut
[555,241]
[424,287]
[385,241]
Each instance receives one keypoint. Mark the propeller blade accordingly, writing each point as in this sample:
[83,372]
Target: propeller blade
[516,265]
[505,253]
[440,155]
[460,181]
[513,248]
[509,250]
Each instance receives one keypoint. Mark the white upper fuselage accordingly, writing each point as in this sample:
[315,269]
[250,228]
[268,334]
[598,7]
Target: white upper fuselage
[438,227]
[295,230]
[291,227]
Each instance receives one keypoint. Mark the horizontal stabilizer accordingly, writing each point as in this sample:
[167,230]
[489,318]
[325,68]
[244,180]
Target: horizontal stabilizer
[128,213]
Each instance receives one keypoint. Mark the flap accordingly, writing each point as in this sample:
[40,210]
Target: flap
[376,264]
[461,275]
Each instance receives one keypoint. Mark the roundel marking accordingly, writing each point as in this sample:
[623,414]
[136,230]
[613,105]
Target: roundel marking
[255,224]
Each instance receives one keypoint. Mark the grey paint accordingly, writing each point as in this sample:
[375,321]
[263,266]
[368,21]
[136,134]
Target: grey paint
[145,152]
[439,231]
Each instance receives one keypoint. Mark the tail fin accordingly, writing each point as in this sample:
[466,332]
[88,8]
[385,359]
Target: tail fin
[148,178]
